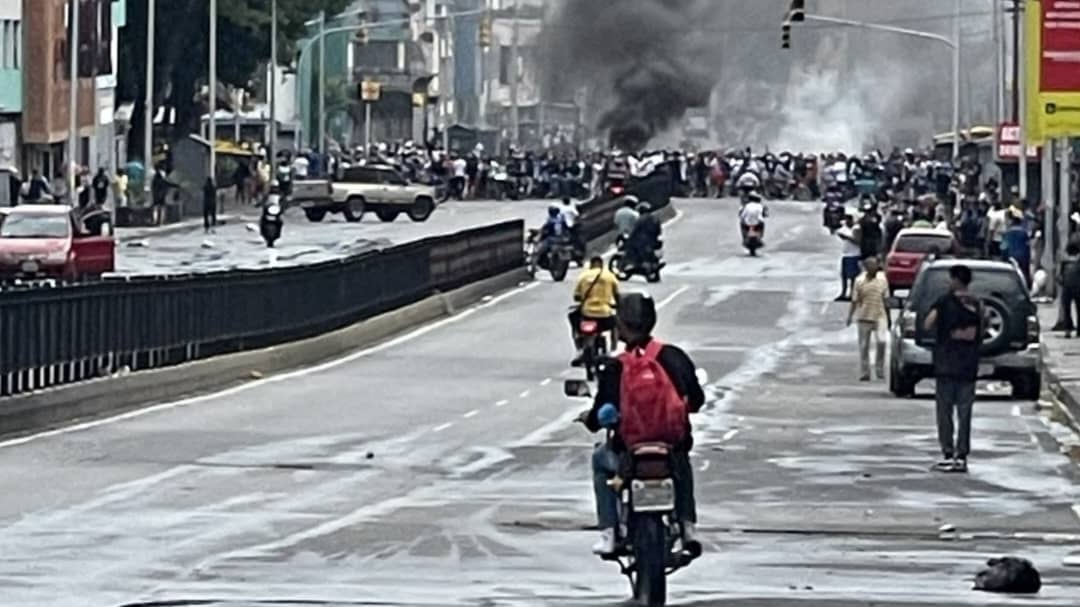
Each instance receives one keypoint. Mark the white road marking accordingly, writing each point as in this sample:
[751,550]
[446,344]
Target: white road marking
[472,413]
[502,403]
[1016,411]
[442,427]
[1076,510]
[730,434]
[670,298]
[524,394]
[303,372]
[546,381]
[704,465]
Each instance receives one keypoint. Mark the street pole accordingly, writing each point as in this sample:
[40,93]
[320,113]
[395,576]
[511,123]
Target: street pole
[367,128]
[1048,199]
[73,119]
[213,91]
[1064,200]
[1017,56]
[451,66]
[273,83]
[999,66]
[322,83]
[956,83]
[515,54]
[1019,101]
[148,117]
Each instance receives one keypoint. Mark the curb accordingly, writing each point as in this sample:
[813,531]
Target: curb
[112,395]
[170,229]
[1065,398]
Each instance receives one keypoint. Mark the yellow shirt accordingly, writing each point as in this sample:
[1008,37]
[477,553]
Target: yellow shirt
[870,298]
[601,298]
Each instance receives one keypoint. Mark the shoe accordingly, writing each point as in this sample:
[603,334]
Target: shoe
[606,545]
[842,298]
[578,361]
[864,378]
[880,374]
[944,465]
[690,538]
[960,465]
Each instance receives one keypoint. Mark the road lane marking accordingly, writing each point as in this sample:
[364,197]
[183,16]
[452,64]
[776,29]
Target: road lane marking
[730,434]
[1076,510]
[671,298]
[302,372]
[704,465]
[524,394]
[502,403]
[546,381]
[472,413]
[442,427]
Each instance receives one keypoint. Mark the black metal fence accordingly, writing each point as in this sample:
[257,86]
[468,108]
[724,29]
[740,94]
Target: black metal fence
[52,336]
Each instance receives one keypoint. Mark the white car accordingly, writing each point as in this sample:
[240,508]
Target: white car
[374,187]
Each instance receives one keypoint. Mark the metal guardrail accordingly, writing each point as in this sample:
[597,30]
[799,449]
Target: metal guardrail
[61,335]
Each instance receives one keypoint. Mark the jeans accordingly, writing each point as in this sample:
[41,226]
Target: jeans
[871,329]
[1070,301]
[607,464]
[958,393]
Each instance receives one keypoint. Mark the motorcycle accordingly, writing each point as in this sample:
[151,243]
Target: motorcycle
[752,240]
[594,346]
[519,188]
[556,261]
[650,269]
[270,222]
[649,544]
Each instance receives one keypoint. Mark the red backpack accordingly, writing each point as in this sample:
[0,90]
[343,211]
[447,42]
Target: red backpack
[651,410]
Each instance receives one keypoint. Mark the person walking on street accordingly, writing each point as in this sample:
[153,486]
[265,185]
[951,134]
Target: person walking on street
[1069,279]
[870,309]
[1016,245]
[209,205]
[957,322]
[849,257]
[120,188]
[159,191]
[100,186]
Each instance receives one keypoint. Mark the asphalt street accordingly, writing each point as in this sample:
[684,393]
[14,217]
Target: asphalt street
[237,244]
[442,467]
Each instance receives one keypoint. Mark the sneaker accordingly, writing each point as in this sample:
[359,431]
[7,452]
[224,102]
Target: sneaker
[864,378]
[960,465]
[944,465]
[606,545]
[578,361]
[842,298]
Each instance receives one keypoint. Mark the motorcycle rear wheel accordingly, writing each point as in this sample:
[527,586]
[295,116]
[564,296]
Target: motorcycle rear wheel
[559,268]
[650,560]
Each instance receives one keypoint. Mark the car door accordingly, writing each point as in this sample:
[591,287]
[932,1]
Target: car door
[395,187]
[95,253]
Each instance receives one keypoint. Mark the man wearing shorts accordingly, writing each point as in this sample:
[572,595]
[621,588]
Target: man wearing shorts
[850,257]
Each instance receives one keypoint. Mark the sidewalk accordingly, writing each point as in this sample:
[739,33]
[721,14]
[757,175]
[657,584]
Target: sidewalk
[187,225]
[1061,363]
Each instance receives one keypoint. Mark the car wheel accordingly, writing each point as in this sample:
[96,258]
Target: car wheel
[997,325]
[1027,387]
[354,209]
[421,209]
[315,215]
[386,215]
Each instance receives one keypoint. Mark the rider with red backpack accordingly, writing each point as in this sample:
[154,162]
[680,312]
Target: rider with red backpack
[647,393]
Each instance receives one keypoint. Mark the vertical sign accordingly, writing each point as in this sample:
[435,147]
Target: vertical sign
[1053,59]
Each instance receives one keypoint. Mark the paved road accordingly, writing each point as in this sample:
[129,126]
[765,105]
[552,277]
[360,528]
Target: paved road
[238,244]
[442,467]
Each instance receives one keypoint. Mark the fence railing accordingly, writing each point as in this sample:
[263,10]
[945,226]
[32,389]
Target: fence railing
[66,334]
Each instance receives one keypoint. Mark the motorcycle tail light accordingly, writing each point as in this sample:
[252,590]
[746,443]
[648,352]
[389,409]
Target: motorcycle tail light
[616,190]
[588,326]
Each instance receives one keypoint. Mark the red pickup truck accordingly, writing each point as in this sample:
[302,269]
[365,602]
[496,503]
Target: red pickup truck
[52,241]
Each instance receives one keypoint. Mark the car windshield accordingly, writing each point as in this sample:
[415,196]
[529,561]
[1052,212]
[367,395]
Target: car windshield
[34,226]
[921,243]
[999,283]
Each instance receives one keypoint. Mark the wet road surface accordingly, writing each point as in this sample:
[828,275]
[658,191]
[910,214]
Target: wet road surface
[237,244]
[442,468]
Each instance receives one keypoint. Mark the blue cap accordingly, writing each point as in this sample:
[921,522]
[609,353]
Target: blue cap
[608,415]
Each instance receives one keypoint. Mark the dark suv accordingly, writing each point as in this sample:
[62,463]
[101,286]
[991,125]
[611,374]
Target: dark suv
[1010,349]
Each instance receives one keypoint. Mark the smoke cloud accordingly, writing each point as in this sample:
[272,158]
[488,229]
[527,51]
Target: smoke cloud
[639,60]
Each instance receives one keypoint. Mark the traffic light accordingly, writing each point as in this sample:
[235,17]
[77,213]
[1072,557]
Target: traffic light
[485,31]
[785,36]
[797,12]
[362,34]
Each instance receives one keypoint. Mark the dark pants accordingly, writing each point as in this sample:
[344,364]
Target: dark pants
[1070,301]
[959,394]
[606,464]
[209,216]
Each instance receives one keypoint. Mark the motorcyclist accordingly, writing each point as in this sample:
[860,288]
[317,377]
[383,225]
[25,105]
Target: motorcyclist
[753,213]
[747,182]
[552,232]
[595,294]
[570,214]
[635,319]
[627,217]
[644,239]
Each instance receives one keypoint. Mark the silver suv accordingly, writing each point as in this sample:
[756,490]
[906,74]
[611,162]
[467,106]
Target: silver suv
[1010,350]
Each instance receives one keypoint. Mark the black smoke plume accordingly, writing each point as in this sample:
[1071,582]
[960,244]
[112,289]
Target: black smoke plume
[640,59]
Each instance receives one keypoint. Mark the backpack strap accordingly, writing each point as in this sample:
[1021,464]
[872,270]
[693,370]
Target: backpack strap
[653,349]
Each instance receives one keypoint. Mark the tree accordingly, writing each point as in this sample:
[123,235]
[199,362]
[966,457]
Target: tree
[182,47]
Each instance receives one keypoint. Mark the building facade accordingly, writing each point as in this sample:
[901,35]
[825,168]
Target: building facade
[11,83]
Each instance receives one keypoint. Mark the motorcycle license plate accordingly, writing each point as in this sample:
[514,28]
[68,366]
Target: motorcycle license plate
[652,495]
[29,267]
[588,327]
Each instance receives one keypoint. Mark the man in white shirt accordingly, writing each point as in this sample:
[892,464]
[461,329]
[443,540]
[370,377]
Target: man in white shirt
[869,308]
[752,214]
[996,224]
[459,166]
[849,257]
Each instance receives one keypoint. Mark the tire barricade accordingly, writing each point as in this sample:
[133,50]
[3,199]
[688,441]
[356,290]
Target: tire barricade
[55,336]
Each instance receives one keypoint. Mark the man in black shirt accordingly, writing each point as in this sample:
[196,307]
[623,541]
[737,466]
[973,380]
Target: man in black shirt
[636,318]
[956,320]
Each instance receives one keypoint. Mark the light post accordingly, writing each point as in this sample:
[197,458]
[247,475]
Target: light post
[213,90]
[148,117]
[273,83]
[73,118]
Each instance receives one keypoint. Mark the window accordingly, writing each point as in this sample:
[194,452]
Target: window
[10,44]
[504,64]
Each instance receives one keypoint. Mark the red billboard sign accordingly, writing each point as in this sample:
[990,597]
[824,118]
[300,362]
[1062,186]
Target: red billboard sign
[1060,54]
[1008,143]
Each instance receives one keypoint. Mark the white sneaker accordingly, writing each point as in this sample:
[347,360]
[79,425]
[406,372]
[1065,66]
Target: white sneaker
[606,545]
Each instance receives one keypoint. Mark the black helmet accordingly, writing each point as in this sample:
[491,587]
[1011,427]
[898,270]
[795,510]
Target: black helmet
[637,312]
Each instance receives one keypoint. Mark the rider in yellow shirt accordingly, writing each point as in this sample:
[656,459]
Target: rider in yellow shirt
[596,292]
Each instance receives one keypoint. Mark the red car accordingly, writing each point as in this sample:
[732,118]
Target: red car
[52,241]
[911,247]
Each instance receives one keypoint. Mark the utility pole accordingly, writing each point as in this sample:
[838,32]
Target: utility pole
[1019,101]
[999,66]
[148,117]
[73,119]
[956,84]
[515,57]
[213,91]
[1017,58]
[322,83]
[273,82]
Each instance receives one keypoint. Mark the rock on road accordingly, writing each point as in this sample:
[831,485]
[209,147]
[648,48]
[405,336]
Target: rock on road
[237,244]
[812,488]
